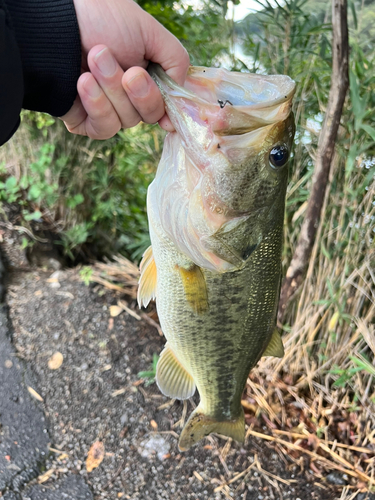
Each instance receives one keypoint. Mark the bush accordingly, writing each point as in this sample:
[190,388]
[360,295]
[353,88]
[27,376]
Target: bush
[91,193]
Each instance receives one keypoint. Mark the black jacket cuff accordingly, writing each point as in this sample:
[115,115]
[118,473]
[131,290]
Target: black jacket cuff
[48,38]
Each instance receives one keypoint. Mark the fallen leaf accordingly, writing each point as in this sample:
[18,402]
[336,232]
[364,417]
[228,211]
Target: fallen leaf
[95,456]
[38,293]
[44,477]
[35,394]
[115,310]
[55,361]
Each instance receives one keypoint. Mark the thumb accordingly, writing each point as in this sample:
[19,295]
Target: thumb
[163,48]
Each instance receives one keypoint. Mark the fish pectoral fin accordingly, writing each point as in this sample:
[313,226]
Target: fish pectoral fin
[195,288]
[200,425]
[148,279]
[235,241]
[172,378]
[275,346]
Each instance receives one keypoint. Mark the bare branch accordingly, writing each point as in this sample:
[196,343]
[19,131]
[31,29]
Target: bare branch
[326,147]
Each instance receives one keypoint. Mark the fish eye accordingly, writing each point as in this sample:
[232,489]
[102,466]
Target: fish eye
[279,155]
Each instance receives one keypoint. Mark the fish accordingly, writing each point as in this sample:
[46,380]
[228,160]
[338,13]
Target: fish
[216,212]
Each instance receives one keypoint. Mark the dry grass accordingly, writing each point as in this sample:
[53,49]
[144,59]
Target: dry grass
[332,320]
[120,275]
[324,387]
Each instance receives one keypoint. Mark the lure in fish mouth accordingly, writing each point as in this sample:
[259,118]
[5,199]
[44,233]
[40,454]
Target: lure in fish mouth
[216,210]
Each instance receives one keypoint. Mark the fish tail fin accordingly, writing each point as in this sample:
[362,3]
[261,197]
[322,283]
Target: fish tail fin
[200,425]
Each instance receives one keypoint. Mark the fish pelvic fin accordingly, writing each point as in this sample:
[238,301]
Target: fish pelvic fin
[172,378]
[195,288]
[148,279]
[200,425]
[275,346]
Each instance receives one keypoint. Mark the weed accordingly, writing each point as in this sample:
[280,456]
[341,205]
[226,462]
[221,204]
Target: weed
[86,273]
[150,375]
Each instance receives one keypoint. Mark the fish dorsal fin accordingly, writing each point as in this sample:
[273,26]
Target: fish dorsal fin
[147,281]
[275,346]
[195,288]
[172,378]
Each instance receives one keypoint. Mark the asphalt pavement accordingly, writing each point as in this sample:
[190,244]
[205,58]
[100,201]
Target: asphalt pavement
[24,436]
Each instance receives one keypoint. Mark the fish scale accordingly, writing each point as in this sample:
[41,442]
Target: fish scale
[216,245]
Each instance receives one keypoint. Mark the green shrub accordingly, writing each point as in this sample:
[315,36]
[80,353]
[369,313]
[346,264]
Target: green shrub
[92,194]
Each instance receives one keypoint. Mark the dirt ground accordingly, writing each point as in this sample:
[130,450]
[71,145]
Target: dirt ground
[96,395]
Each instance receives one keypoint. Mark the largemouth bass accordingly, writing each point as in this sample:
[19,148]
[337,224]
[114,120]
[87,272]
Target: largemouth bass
[216,211]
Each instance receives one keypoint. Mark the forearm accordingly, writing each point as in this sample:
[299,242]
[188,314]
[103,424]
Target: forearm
[47,35]
[11,78]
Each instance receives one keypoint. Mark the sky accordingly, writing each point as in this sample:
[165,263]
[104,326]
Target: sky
[241,10]
[244,8]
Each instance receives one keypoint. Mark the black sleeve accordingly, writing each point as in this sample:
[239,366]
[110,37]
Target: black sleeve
[40,61]
[11,80]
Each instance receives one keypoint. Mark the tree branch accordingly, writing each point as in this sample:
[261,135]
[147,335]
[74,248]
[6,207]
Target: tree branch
[326,147]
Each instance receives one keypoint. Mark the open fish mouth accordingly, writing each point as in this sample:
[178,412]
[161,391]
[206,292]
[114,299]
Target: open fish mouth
[239,89]
[231,103]
[216,181]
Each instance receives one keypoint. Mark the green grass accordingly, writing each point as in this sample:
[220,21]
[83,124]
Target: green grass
[150,375]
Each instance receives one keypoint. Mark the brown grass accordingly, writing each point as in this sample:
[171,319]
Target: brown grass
[304,412]
[332,322]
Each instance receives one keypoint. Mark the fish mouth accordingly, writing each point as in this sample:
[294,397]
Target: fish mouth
[217,161]
[232,103]
[243,90]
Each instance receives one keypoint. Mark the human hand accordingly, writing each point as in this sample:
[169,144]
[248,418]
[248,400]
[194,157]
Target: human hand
[110,98]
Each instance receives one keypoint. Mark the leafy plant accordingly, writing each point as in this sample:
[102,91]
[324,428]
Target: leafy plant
[10,190]
[93,194]
[150,375]
[85,274]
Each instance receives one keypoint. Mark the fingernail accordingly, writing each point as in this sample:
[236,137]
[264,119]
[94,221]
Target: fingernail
[106,62]
[92,88]
[138,85]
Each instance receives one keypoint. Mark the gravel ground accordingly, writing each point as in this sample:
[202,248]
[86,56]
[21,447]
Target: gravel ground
[96,395]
